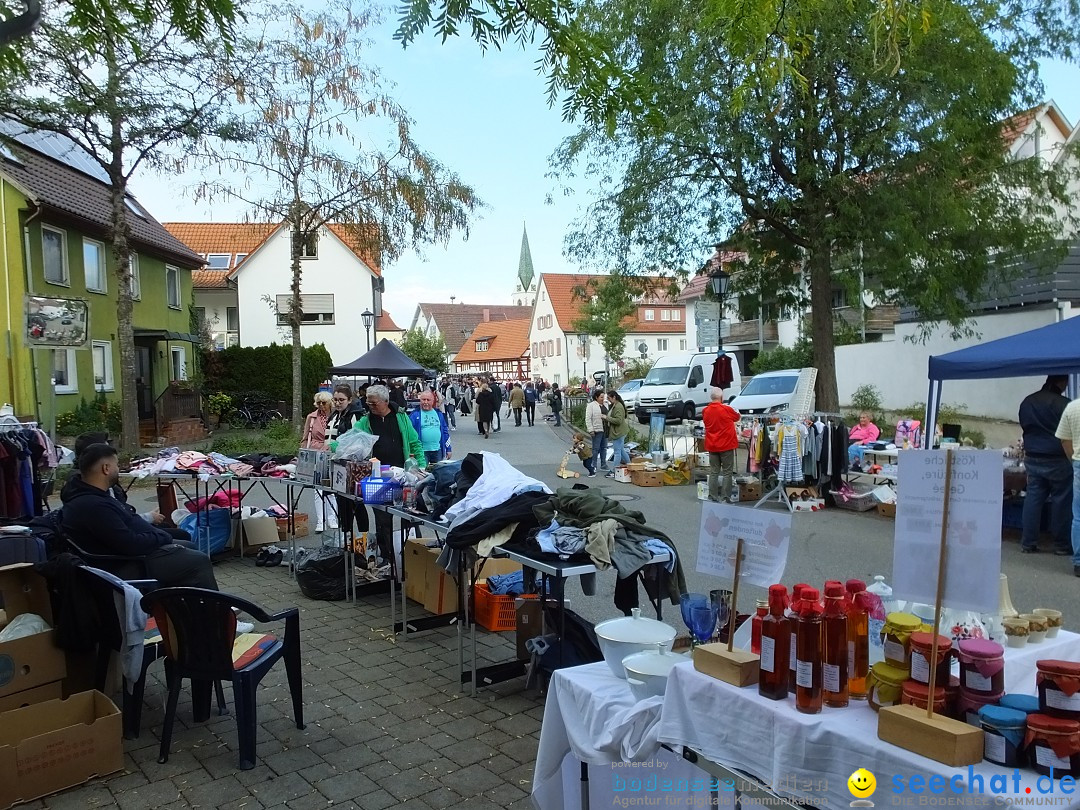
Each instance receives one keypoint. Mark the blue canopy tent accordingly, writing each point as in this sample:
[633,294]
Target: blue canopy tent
[1052,349]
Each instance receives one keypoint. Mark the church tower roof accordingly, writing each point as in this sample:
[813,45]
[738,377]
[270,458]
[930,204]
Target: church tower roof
[525,263]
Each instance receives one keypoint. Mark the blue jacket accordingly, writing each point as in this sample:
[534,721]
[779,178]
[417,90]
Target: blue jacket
[444,429]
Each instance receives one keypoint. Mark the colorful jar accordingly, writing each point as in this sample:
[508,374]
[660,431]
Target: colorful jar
[1003,742]
[922,647]
[896,638]
[969,703]
[883,685]
[1028,704]
[1053,744]
[914,693]
[982,666]
[1058,683]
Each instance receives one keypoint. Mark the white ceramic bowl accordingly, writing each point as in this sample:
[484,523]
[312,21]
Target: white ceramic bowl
[627,635]
[651,669]
[639,689]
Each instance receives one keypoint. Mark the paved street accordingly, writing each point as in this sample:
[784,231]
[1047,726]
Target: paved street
[387,723]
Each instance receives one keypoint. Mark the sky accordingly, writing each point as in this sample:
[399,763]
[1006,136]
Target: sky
[485,116]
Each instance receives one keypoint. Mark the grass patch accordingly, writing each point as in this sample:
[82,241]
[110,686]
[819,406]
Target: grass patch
[279,439]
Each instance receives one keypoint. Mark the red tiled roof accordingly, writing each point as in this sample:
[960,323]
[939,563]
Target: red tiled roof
[560,291]
[507,340]
[385,323]
[453,318]
[210,279]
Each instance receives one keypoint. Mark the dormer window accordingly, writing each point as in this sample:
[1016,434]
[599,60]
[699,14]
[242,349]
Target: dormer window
[482,345]
[218,261]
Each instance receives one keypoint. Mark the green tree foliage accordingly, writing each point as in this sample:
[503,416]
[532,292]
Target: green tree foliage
[144,98]
[430,352]
[608,310]
[265,370]
[636,368]
[316,114]
[801,355]
[905,168]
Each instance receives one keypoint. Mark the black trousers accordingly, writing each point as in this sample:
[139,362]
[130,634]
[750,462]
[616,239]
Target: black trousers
[384,534]
[178,564]
[530,411]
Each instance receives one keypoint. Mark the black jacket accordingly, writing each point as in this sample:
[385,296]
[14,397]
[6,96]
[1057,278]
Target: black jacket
[103,525]
[1040,414]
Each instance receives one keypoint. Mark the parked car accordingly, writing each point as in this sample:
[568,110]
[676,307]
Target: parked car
[629,391]
[771,392]
[678,385]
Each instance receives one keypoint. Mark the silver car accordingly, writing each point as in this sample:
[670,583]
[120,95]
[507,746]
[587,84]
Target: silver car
[629,392]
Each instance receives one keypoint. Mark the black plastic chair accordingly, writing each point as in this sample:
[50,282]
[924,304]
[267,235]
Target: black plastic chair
[129,568]
[198,628]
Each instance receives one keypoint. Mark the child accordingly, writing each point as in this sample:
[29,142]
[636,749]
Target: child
[582,447]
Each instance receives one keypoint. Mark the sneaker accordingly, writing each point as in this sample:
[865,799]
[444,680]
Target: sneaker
[1063,552]
[244,627]
[591,475]
[609,474]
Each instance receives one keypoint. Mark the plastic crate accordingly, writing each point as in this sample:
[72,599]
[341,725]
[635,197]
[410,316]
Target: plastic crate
[378,490]
[859,498]
[495,611]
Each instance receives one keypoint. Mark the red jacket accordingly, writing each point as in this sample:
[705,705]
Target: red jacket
[720,421]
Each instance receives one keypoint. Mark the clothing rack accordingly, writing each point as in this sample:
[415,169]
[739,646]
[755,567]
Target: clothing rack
[12,423]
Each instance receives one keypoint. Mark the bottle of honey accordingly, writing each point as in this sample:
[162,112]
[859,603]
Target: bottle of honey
[775,646]
[859,645]
[755,625]
[793,617]
[834,663]
[808,634]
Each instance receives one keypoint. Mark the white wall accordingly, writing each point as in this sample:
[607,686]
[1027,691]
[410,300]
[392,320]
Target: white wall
[215,302]
[899,369]
[336,271]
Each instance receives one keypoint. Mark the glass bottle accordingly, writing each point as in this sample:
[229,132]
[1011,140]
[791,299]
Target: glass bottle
[793,617]
[755,626]
[808,629]
[834,659]
[775,646]
[882,604]
[859,645]
[853,586]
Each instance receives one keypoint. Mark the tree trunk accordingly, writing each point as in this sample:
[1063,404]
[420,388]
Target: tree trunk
[295,313]
[821,325]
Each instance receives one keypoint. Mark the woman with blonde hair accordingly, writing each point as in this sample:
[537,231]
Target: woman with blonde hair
[314,433]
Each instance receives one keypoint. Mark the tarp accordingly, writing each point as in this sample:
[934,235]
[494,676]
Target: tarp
[1051,349]
[385,360]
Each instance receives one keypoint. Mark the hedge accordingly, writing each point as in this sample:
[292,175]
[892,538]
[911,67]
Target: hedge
[265,370]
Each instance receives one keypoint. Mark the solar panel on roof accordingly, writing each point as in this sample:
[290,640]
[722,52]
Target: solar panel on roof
[56,146]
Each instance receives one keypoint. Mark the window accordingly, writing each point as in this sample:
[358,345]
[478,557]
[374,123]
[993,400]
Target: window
[682,345]
[54,255]
[550,347]
[661,345]
[697,376]
[94,265]
[839,298]
[551,321]
[200,316]
[536,349]
[676,315]
[134,207]
[315,308]
[539,323]
[135,278]
[482,345]
[240,257]
[177,363]
[558,347]
[232,319]
[309,246]
[103,365]
[172,286]
[218,261]
[650,315]
[65,375]
[665,314]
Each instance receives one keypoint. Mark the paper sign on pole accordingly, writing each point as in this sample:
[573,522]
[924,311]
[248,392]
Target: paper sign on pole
[973,565]
[765,543]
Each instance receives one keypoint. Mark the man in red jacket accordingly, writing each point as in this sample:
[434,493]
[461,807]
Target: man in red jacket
[721,439]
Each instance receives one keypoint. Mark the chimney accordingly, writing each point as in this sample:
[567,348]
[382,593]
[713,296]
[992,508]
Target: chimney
[487,314]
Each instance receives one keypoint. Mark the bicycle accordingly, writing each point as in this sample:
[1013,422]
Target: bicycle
[254,413]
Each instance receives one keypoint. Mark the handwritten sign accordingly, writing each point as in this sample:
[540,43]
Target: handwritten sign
[973,566]
[765,543]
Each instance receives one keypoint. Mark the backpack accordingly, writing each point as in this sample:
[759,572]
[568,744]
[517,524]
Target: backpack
[909,429]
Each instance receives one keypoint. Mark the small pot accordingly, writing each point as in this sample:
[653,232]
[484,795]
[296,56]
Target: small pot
[627,635]
[651,669]
[1053,620]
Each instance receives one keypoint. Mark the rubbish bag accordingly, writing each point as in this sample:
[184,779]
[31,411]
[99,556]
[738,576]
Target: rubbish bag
[355,445]
[23,625]
[321,575]
[210,531]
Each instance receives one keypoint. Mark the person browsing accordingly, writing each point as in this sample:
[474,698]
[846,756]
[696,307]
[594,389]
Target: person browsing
[1068,431]
[721,440]
[431,426]
[1049,471]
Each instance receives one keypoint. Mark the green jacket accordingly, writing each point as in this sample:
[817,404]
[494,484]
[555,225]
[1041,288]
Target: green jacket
[617,426]
[413,447]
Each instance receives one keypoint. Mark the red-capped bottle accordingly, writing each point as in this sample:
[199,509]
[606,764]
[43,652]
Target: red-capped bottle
[793,617]
[834,662]
[808,634]
[852,586]
[859,644]
[775,646]
[755,625]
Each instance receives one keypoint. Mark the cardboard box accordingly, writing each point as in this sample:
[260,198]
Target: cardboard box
[417,562]
[442,591]
[750,491]
[300,523]
[259,531]
[647,478]
[344,475]
[703,490]
[32,660]
[887,510]
[57,744]
[28,697]
[530,624]
[640,466]
[622,475]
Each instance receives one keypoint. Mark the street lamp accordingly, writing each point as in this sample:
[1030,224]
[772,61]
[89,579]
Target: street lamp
[368,318]
[583,340]
[719,283]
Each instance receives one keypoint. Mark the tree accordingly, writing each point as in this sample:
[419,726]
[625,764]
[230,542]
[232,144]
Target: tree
[140,101]
[904,168]
[430,352]
[315,112]
[608,309]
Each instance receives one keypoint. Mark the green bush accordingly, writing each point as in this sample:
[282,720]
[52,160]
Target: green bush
[265,370]
[868,398]
[947,414]
[801,355]
[99,415]
[976,437]
[279,439]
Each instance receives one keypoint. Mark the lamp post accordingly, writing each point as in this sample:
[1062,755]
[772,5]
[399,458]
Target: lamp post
[583,341]
[719,282]
[368,318]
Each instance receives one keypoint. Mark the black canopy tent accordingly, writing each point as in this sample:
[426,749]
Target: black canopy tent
[1051,349]
[385,360]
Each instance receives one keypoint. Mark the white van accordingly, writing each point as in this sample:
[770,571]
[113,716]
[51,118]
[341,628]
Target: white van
[771,392]
[678,385]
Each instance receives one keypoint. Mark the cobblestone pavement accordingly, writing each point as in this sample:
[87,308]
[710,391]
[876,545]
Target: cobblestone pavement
[387,725]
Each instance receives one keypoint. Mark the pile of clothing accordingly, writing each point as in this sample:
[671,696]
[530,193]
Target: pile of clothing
[175,460]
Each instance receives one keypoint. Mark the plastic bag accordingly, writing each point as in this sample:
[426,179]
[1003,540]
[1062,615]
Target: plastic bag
[210,531]
[25,624]
[355,445]
[321,575]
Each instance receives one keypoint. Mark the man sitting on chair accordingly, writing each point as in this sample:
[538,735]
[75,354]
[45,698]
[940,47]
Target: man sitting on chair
[102,524]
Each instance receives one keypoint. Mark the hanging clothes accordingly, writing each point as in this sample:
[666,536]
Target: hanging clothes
[23,451]
[790,441]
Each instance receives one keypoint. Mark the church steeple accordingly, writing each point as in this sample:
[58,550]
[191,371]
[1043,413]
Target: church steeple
[525,264]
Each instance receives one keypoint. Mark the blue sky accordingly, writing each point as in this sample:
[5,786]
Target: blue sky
[485,116]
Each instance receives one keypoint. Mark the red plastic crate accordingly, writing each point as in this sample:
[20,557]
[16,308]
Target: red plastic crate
[495,612]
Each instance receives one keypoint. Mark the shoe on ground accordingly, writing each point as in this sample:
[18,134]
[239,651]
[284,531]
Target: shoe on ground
[1029,549]
[609,474]
[591,475]
[262,557]
[244,627]
[1063,552]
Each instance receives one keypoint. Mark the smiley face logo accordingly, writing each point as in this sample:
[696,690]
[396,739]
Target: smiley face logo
[862,784]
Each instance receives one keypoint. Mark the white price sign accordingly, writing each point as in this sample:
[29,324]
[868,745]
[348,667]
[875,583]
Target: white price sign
[973,566]
[765,538]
